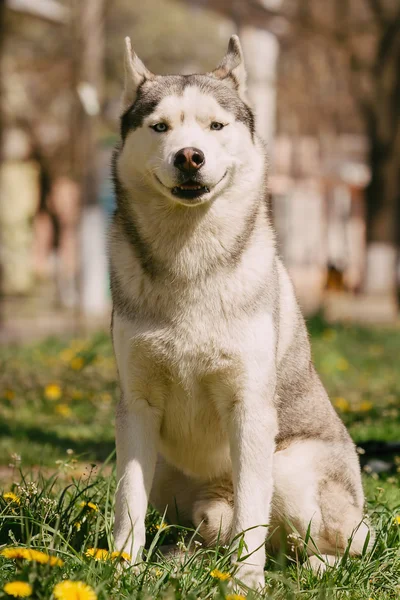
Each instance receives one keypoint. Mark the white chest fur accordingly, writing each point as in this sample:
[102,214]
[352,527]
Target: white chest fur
[191,373]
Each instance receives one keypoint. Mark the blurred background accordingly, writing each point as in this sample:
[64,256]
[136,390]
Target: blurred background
[324,79]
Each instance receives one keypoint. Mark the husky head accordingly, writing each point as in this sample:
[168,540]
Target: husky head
[186,137]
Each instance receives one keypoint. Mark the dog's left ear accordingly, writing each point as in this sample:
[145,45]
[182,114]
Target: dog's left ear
[231,69]
[135,74]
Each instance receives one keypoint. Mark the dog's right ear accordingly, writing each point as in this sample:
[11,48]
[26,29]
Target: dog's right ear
[135,74]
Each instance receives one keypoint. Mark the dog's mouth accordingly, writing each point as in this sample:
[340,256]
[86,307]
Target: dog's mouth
[190,190]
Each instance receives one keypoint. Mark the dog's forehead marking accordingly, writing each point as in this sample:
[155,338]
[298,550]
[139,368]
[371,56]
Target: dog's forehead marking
[151,93]
[192,104]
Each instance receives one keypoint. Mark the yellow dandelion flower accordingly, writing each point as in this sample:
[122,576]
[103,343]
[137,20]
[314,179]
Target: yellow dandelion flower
[54,561]
[235,597]
[78,525]
[9,394]
[77,363]
[157,572]
[90,505]
[220,575]
[342,404]
[121,555]
[44,559]
[32,555]
[365,406]
[98,553]
[67,355]
[397,519]
[162,526]
[11,497]
[15,553]
[63,410]
[74,590]
[18,589]
[342,364]
[52,391]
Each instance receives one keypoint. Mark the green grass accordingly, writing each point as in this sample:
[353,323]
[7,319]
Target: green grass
[64,429]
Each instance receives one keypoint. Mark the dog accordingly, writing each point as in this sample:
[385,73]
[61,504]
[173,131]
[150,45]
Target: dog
[223,421]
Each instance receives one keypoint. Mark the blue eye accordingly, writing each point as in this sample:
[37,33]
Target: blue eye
[215,126]
[160,127]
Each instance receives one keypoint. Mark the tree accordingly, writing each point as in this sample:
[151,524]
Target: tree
[366,34]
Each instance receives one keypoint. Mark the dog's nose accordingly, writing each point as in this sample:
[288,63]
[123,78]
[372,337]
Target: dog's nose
[189,160]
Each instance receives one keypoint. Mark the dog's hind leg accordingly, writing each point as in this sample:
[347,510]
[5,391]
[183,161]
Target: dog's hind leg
[317,491]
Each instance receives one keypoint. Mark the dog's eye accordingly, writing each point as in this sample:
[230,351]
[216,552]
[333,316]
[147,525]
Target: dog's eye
[160,127]
[215,126]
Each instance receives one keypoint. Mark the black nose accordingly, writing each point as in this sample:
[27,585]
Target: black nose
[189,160]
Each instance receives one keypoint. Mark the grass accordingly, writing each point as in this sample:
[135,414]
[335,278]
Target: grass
[56,455]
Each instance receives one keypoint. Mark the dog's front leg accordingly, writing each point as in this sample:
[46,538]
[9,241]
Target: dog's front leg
[137,433]
[253,427]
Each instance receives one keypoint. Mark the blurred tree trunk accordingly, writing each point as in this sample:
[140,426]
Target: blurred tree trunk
[382,119]
[2,32]
[88,30]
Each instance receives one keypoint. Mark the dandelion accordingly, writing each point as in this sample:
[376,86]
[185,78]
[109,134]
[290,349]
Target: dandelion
[16,553]
[32,555]
[52,391]
[342,404]
[397,519]
[12,498]
[54,561]
[44,559]
[67,355]
[78,525]
[90,505]
[74,590]
[98,553]
[18,589]
[157,572]
[365,406]
[63,410]
[77,363]
[162,526]
[121,556]
[9,394]
[342,364]
[216,574]
[235,597]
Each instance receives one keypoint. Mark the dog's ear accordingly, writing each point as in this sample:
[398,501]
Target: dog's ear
[135,74]
[231,69]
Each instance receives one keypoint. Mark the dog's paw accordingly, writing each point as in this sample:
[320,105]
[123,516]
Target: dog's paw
[319,566]
[251,576]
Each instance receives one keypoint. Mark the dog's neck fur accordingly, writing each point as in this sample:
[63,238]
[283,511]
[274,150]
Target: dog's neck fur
[188,242]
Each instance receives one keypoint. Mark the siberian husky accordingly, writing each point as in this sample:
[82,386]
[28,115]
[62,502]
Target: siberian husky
[223,420]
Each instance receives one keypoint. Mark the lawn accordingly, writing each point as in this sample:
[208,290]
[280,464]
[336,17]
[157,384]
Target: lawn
[57,478]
